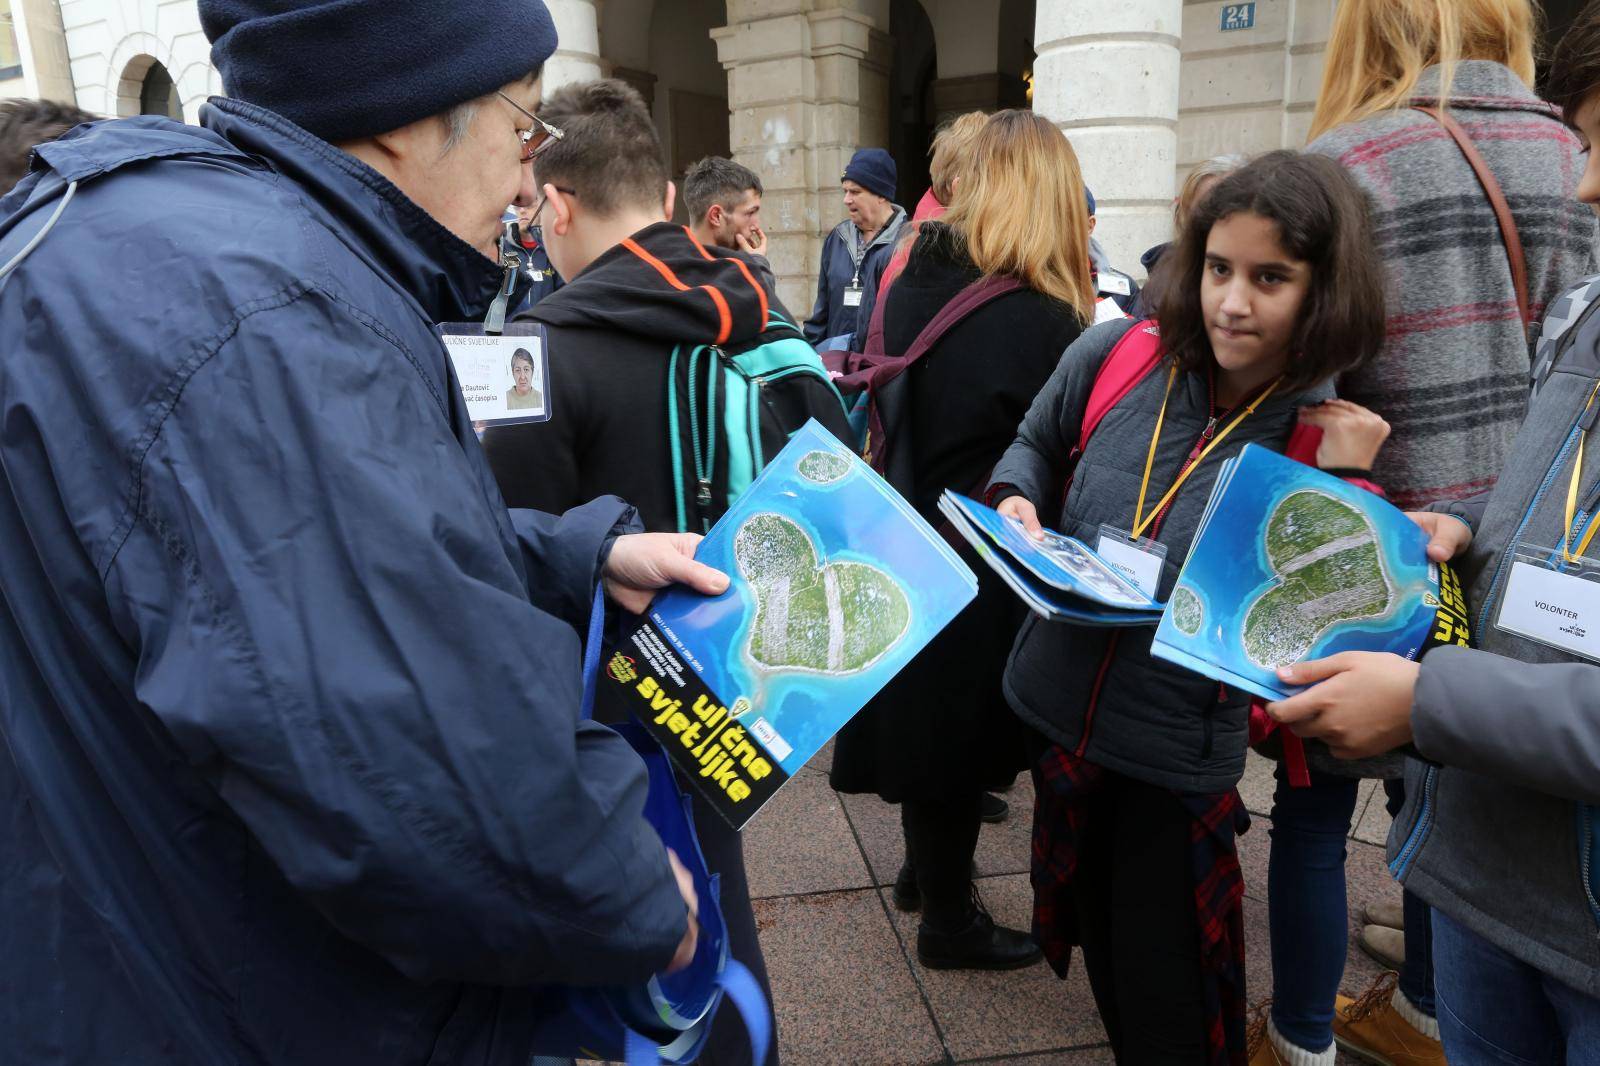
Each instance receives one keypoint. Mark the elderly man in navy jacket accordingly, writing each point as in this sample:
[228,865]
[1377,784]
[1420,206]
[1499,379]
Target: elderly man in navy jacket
[290,762]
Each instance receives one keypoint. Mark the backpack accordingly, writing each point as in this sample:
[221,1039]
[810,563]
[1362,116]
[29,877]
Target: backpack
[731,408]
[876,388]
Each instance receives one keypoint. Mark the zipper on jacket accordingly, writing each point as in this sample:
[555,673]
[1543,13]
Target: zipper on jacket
[1527,516]
[1401,866]
[1213,418]
[1588,825]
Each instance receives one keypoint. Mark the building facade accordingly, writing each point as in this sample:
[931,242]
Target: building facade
[1145,89]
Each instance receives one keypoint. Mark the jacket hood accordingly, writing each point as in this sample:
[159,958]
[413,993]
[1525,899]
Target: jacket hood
[448,277]
[664,284]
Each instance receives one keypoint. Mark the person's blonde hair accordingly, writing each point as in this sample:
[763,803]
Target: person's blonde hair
[1021,212]
[1214,169]
[952,150]
[1379,48]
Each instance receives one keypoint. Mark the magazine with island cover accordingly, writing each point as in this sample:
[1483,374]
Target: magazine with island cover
[1291,564]
[836,584]
[1059,577]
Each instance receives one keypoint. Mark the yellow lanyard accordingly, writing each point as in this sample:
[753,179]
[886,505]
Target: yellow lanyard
[1141,521]
[1572,497]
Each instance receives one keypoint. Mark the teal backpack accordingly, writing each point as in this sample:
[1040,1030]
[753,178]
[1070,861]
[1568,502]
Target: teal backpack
[730,408]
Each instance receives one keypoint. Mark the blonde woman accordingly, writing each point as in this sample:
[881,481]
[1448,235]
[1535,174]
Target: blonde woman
[941,733]
[1452,381]
[952,148]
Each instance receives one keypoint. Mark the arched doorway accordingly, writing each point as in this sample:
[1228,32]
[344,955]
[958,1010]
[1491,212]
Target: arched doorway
[912,117]
[666,51]
[147,88]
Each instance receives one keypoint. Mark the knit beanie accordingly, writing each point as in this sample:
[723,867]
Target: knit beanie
[1089,196]
[873,169]
[344,69]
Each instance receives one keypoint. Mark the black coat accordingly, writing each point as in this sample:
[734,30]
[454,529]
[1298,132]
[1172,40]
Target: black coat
[943,721]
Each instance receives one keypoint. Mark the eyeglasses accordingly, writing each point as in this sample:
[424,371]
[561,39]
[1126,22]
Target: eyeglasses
[538,137]
[537,228]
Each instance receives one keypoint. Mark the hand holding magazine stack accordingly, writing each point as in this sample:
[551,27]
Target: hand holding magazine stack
[836,584]
[1059,577]
[1291,564]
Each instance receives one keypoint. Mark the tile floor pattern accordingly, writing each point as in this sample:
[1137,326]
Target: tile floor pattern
[843,963]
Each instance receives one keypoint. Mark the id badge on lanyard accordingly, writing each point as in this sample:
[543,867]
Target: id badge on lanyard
[1552,601]
[502,368]
[1138,559]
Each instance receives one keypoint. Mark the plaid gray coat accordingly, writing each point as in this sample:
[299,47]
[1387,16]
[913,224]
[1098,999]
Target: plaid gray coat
[1453,376]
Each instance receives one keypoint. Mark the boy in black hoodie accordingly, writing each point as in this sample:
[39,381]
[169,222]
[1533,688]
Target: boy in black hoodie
[637,288]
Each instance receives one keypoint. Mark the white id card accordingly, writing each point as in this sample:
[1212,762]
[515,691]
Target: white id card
[852,296]
[504,378]
[1137,560]
[1553,602]
[1107,310]
[1116,285]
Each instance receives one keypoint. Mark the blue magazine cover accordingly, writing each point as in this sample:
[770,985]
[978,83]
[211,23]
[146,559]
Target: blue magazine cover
[1292,564]
[1059,561]
[836,584]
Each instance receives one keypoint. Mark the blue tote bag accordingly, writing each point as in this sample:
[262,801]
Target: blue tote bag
[668,1019]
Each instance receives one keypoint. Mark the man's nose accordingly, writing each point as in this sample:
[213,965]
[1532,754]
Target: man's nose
[526,188]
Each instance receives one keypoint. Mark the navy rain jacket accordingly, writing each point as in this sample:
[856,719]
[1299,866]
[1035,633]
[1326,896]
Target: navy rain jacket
[290,770]
[830,317]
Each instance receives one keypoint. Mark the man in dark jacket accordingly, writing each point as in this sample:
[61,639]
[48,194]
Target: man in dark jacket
[642,292]
[290,769]
[855,253]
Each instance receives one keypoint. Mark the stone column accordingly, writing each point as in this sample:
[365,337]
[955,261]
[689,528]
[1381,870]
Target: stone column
[805,88]
[578,57]
[1107,74]
[42,44]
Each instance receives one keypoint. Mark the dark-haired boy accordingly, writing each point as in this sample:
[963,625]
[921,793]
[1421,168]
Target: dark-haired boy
[26,124]
[1500,833]
[637,288]
[724,203]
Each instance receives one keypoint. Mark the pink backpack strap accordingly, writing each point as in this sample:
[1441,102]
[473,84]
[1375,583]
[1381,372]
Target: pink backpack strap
[1304,440]
[1130,362]
[984,291]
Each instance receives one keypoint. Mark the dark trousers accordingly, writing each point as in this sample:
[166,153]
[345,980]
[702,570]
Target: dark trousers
[1133,895]
[724,851]
[1416,976]
[941,835]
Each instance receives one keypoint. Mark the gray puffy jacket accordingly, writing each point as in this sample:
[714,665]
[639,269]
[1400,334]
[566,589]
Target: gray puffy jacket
[1502,836]
[1099,692]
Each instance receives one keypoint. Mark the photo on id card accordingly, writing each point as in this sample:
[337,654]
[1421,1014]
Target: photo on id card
[505,379]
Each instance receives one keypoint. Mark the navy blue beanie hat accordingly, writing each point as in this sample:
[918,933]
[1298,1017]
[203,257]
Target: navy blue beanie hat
[343,69]
[873,169]
[1089,196]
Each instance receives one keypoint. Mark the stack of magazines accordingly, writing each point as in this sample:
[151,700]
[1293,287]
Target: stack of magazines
[1291,564]
[1060,577]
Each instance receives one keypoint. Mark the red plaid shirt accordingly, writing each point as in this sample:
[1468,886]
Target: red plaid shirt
[1064,782]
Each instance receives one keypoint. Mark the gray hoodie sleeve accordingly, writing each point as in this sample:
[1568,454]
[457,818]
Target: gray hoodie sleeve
[1036,464]
[1532,725]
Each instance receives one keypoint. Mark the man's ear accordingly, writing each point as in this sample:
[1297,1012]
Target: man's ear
[1091,225]
[715,216]
[561,210]
[671,200]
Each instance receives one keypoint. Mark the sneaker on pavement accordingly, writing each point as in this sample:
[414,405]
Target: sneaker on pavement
[1372,1029]
[992,808]
[1386,945]
[1387,914]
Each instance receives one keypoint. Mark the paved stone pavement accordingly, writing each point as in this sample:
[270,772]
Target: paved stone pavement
[849,989]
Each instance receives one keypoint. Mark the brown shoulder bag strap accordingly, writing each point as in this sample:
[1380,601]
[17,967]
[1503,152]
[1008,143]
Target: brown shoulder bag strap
[1497,200]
